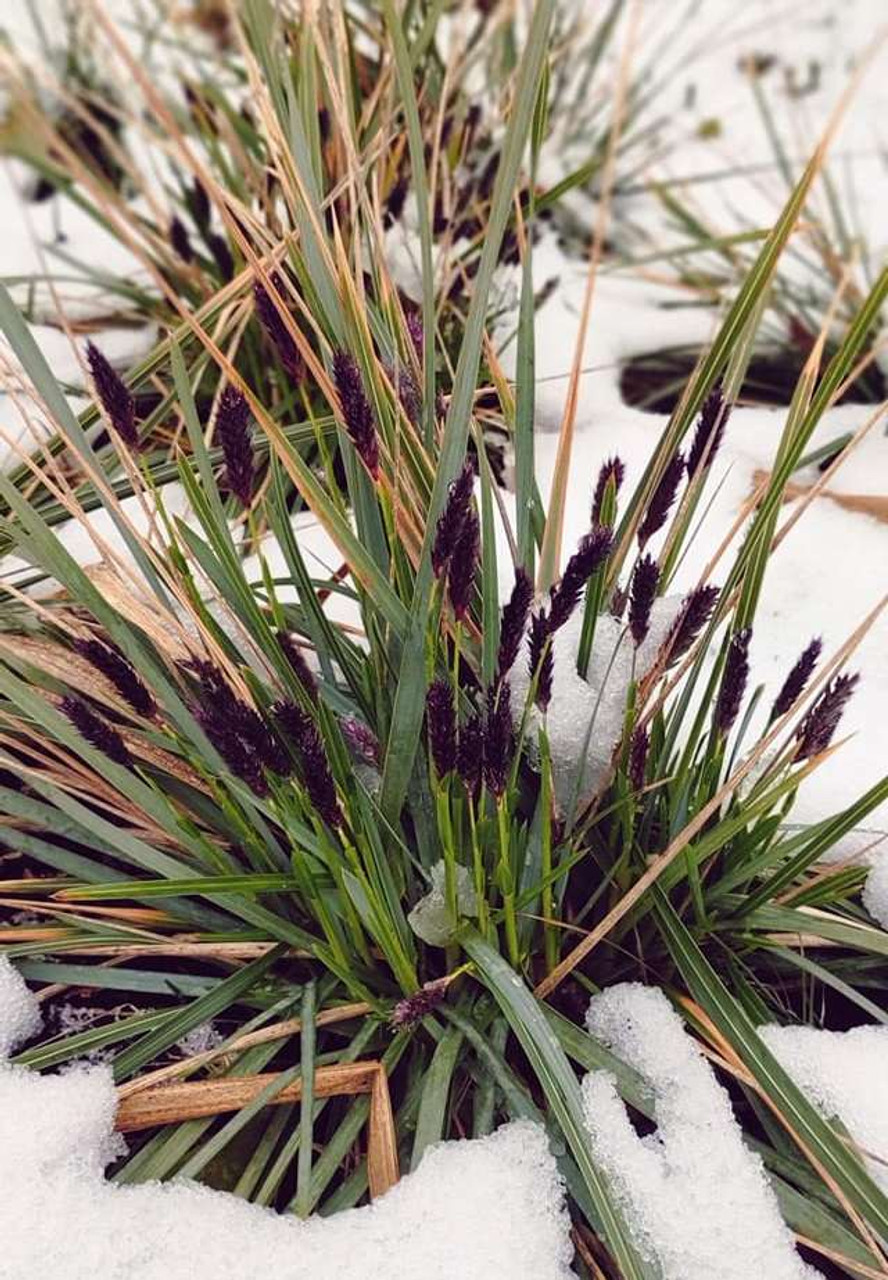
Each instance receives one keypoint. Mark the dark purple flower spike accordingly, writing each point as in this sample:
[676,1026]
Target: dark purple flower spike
[357,412]
[233,431]
[114,396]
[662,499]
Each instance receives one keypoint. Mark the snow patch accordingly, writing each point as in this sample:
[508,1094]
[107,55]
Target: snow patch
[476,1209]
[19,1014]
[843,1073]
[585,717]
[696,1199]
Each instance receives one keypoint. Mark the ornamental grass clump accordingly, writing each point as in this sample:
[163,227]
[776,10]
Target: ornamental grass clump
[398,779]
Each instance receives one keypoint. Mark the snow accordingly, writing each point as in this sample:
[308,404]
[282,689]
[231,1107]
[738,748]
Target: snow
[585,717]
[19,1014]
[476,1209]
[875,893]
[430,920]
[843,1073]
[695,1198]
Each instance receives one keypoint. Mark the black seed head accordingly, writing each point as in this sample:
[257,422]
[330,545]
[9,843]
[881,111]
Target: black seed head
[662,499]
[112,664]
[361,741]
[693,616]
[643,592]
[114,396]
[244,740]
[592,552]
[541,661]
[317,778]
[97,732]
[710,429]
[513,622]
[638,754]
[612,471]
[233,429]
[198,204]
[795,683]
[462,566]
[218,247]
[409,395]
[273,324]
[470,754]
[733,682]
[179,240]
[441,721]
[818,728]
[499,738]
[452,518]
[415,329]
[414,1008]
[357,412]
[301,669]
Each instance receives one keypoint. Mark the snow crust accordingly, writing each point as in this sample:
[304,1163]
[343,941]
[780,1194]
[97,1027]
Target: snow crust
[696,1199]
[492,1207]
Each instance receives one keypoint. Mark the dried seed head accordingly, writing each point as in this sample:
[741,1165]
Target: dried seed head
[818,728]
[233,430]
[499,738]
[795,683]
[357,413]
[114,666]
[114,396]
[645,581]
[592,552]
[733,682]
[662,499]
[272,322]
[710,429]
[541,661]
[462,566]
[693,616]
[97,732]
[452,518]
[612,472]
[317,778]
[513,622]
[470,754]
[441,721]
